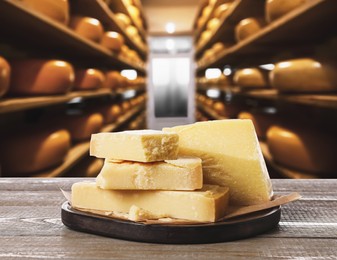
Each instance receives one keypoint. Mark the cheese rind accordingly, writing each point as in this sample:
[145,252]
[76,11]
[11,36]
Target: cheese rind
[5,73]
[205,205]
[250,78]
[137,145]
[303,149]
[248,27]
[181,174]
[41,77]
[30,152]
[304,75]
[231,156]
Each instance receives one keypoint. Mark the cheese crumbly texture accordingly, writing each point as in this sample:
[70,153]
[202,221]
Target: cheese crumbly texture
[137,145]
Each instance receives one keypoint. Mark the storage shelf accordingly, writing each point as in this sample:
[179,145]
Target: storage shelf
[316,100]
[210,112]
[119,7]
[308,23]
[239,10]
[99,10]
[36,32]
[198,31]
[78,151]
[23,103]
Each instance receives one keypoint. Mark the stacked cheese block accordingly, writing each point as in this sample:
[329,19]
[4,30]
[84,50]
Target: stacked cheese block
[185,172]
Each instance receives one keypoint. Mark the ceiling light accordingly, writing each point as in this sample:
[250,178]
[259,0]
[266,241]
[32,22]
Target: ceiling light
[170,27]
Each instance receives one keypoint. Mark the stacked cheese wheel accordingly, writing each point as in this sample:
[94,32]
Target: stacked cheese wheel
[162,176]
[213,17]
[47,77]
[5,73]
[251,78]
[304,149]
[305,75]
[35,150]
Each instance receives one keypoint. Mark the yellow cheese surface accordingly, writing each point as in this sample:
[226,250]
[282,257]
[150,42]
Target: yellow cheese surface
[304,75]
[206,205]
[231,156]
[136,145]
[181,174]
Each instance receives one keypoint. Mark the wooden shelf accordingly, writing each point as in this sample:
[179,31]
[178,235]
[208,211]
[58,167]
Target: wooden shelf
[198,31]
[99,10]
[316,100]
[119,7]
[239,10]
[210,112]
[33,31]
[78,151]
[23,103]
[310,22]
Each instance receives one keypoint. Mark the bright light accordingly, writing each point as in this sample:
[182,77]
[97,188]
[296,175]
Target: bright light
[270,110]
[129,94]
[170,27]
[227,71]
[212,73]
[129,74]
[267,66]
[284,64]
[213,93]
[170,44]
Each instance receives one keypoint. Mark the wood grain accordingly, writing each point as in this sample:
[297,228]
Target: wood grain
[31,227]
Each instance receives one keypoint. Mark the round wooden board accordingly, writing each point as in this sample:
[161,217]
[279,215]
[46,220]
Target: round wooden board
[228,230]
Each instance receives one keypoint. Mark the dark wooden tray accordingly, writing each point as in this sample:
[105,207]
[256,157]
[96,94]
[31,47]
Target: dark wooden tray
[228,230]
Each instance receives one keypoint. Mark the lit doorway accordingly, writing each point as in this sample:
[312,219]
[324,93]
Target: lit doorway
[171,82]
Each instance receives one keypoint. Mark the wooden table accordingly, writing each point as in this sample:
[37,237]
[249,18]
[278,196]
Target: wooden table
[31,228]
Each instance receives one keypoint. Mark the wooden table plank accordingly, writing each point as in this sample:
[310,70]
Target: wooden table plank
[31,227]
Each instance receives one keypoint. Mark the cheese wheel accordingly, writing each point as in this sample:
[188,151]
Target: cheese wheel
[303,149]
[114,80]
[5,73]
[222,10]
[219,108]
[87,27]
[110,113]
[41,77]
[248,27]
[261,122]
[126,106]
[218,47]
[88,79]
[124,19]
[200,22]
[89,167]
[112,41]
[58,10]
[33,151]
[278,8]
[206,11]
[250,78]
[131,31]
[205,35]
[133,11]
[128,2]
[304,75]
[213,24]
[81,127]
